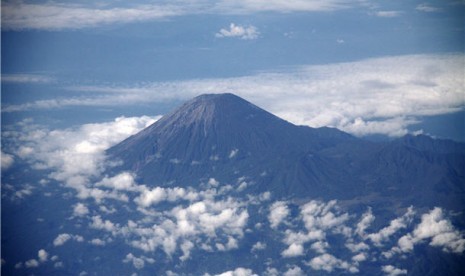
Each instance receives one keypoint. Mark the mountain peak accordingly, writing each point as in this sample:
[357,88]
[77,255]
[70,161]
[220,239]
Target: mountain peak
[211,111]
[216,98]
[213,130]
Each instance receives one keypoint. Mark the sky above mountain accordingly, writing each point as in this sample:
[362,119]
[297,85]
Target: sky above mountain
[80,76]
[366,67]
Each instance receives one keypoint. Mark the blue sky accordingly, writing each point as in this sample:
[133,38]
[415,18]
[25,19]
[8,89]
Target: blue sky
[81,76]
[366,67]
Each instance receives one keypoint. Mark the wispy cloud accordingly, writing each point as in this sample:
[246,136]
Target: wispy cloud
[57,16]
[238,31]
[26,78]
[18,15]
[388,13]
[425,7]
[248,6]
[373,96]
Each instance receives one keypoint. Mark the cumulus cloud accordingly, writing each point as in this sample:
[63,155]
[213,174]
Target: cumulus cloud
[31,263]
[240,271]
[7,160]
[80,210]
[61,239]
[393,271]
[360,257]
[293,250]
[201,221]
[137,262]
[122,181]
[258,246]
[98,242]
[76,155]
[364,223]
[439,229]
[373,96]
[238,31]
[278,212]
[152,196]
[319,218]
[43,255]
[394,226]
[294,271]
[321,215]
[329,263]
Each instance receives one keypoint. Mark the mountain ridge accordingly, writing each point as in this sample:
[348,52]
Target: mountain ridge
[226,137]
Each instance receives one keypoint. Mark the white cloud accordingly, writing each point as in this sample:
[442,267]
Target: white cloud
[25,78]
[373,96]
[393,271]
[329,263]
[122,181]
[394,226]
[149,197]
[294,271]
[61,239]
[435,227]
[258,246]
[65,237]
[427,8]
[32,263]
[186,248]
[278,212]
[137,262]
[388,13]
[18,15]
[43,255]
[156,195]
[250,6]
[75,155]
[320,215]
[206,223]
[319,246]
[240,271]
[360,257]
[57,16]
[80,210]
[7,160]
[233,153]
[98,242]
[441,232]
[293,250]
[99,223]
[364,223]
[238,31]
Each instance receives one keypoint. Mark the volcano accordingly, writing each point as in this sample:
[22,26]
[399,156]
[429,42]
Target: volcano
[225,137]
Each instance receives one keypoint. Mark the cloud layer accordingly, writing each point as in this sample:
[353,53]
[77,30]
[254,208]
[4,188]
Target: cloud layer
[18,15]
[181,222]
[373,96]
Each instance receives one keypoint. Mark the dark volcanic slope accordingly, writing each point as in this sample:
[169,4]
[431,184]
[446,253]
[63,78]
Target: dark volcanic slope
[226,137]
